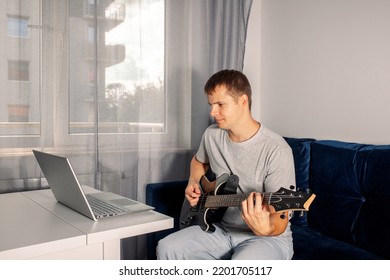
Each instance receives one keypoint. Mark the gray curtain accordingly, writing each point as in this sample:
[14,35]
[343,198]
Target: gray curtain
[84,88]
[218,31]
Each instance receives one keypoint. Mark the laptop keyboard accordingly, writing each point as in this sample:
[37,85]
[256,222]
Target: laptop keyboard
[103,209]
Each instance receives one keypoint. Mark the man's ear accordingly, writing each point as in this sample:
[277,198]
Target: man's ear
[244,99]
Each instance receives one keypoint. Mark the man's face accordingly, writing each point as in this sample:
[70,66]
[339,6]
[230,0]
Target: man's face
[225,109]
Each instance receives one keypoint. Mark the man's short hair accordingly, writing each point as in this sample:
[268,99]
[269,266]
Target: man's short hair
[235,82]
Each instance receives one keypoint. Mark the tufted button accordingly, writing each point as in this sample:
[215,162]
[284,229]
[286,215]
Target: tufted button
[363,199]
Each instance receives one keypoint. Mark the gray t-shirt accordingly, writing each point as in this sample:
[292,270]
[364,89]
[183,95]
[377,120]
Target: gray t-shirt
[263,163]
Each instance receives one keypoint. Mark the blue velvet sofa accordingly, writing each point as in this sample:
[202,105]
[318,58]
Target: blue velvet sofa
[350,216]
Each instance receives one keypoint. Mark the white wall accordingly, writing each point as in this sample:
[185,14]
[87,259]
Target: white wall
[324,68]
[252,59]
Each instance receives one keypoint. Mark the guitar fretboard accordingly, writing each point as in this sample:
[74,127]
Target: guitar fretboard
[230,200]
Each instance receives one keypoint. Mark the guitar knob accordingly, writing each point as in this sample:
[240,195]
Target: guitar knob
[292,187]
[190,217]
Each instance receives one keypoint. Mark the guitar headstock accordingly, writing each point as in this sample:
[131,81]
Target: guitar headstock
[285,199]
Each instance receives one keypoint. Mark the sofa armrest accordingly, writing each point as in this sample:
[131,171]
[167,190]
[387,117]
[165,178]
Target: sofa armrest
[167,198]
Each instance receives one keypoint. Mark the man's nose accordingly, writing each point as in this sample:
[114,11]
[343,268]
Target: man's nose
[213,111]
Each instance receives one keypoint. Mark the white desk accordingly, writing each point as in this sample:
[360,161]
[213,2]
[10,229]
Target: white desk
[24,230]
[51,230]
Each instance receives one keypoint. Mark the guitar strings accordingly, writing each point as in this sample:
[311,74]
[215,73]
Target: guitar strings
[236,198]
[229,196]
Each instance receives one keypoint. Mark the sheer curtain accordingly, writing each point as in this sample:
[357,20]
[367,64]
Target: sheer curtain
[116,86]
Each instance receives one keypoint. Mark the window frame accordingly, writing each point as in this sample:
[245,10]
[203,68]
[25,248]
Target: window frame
[55,102]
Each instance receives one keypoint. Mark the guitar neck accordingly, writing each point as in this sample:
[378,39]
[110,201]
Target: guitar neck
[230,200]
[281,200]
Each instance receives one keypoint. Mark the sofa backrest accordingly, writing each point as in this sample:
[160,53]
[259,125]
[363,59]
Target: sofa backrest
[301,151]
[352,186]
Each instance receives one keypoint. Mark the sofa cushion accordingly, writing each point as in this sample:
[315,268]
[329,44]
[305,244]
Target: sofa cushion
[334,180]
[372,227]
[352,188]
[301,152]
[312,245]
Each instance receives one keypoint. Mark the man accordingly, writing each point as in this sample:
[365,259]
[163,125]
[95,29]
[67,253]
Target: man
[237,144]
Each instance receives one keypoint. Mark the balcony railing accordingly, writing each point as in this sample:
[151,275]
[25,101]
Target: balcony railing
[116,12]
[113,14]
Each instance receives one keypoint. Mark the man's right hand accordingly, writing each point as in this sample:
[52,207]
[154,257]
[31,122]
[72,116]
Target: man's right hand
[192,192]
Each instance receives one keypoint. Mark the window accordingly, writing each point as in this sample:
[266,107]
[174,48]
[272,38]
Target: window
[90,34]
[89,7]
[18,70]
[17,26]
[77,68]
[125,51]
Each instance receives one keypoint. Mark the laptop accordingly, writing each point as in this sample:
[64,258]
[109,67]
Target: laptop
[68,191]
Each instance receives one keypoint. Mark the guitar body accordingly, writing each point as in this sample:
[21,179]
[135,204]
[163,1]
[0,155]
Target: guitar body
[200,214]
[220,194]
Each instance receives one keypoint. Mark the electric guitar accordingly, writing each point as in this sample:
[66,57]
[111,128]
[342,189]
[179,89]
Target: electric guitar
[220,194]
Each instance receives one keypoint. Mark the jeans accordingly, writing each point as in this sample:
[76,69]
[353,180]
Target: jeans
[193,243]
